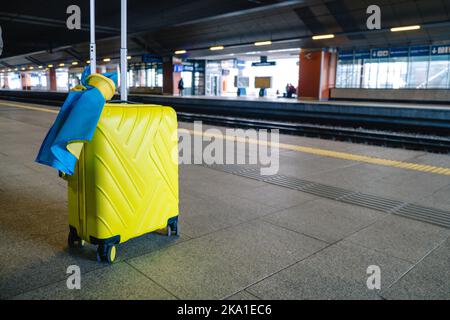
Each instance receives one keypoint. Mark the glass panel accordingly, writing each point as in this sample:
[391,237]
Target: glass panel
[418,68]
[439,72]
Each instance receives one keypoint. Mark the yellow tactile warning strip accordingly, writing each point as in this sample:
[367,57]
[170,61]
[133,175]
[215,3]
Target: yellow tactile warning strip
[28,107]
[335,154]
[309,150]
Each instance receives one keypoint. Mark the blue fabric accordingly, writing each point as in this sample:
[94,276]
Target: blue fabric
[76,122]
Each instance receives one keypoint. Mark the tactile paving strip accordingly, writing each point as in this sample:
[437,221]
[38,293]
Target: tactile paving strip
[408,210]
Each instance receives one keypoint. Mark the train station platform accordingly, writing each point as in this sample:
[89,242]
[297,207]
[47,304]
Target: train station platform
[310,231]
[417,117]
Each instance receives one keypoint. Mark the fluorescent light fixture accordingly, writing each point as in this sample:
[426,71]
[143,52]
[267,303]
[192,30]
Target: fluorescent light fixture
[61,64]
[16,69]
[107,60]
[263,43]
[180,52]
[217,48]
[75,63]
[22,69]
[406,28]
[50,66]
[31,68]
[323,36]
[88,62]
[40,67]
[129,58]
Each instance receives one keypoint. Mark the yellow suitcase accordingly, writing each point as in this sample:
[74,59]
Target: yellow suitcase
[126,179]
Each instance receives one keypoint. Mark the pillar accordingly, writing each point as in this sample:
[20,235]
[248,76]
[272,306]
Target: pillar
[317,74]
[26,81]
[52,79]
[170,77]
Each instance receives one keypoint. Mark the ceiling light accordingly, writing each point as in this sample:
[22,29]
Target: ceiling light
[61,64]
[180,52]
[107,60]
[22,69]
[129,58]
[88,61]
[40,67]
[324,36]
[31,68]
[217,48]
[407,28]
[50,66]
[74,63]
[263,43]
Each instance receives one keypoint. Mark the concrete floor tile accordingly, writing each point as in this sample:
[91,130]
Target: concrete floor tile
[306,168]
[32,198]
[400,237]
[205,213]
[217,265]
[428,280]
[27,265]
[276,197]
[116,282]
[337,272]
[324,219]
[242,295]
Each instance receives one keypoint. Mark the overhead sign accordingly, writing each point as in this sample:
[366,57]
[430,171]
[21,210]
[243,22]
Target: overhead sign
[362,54]
[399,52]
[440,50]
[188,67]
[150,58]
[263,62]
[177,68]
[346,55]
[380,53]
[419,51]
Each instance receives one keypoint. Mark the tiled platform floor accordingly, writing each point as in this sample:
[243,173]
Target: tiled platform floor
[241,238]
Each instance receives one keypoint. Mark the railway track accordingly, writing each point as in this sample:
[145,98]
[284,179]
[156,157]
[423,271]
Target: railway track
[341,130]
[435,144]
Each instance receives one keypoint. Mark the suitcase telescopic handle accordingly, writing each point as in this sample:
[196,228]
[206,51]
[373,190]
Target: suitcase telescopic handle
[123,46]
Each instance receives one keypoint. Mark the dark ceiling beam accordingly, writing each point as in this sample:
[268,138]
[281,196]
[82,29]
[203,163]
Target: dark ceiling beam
[278,5]
[149,45]
[33,20]
[6,64]
[440,24]
[74,53]
[33,60]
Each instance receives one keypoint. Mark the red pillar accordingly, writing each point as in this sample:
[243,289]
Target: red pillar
[317,74]
[170,78]
[52,79]
[26,81]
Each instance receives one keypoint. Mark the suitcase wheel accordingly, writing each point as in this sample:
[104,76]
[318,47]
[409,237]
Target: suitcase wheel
[74,241]
[172,228]
[106,253]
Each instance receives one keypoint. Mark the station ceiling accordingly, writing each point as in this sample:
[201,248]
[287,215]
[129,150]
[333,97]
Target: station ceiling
[35,32]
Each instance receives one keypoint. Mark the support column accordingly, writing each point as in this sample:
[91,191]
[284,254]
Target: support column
[52,79]
[170,78]
[317,74]
[26,81]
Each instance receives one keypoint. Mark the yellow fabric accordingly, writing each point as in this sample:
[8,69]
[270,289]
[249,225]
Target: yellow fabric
[75,148]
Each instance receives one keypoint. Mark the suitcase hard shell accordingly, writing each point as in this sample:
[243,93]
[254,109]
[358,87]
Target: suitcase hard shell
[126,180]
